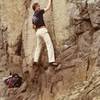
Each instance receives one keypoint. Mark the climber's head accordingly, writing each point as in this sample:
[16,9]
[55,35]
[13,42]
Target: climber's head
[36,6]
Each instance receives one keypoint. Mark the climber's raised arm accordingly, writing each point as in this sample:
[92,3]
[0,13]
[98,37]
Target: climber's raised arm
[48,5]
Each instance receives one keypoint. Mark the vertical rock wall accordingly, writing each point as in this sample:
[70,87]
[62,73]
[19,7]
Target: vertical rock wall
[74,27]
[60,20]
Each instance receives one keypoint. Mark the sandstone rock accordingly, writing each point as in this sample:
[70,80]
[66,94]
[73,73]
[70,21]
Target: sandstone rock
[74,28]
[94,10]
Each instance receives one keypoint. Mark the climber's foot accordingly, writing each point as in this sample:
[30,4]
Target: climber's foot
[54,64]
[59,67]
[35,64]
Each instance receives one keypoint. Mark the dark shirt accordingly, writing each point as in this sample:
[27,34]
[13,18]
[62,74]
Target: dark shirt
[38,18]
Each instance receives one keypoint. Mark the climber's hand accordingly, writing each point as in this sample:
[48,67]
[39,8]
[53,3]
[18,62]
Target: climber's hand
[48,6]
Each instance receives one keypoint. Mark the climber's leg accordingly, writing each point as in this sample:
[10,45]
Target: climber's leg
[49,45]
[38,48]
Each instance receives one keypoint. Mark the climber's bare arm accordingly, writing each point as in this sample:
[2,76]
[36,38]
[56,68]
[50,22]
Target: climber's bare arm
[34,26]
[48,5]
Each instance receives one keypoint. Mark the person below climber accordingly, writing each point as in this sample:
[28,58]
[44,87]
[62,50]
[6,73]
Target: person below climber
[42,34]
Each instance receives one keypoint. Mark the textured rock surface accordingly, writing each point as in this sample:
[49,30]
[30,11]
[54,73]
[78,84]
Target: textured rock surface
[75,30]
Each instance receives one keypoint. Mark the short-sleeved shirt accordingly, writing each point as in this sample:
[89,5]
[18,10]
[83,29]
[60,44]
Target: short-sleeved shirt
[38,18]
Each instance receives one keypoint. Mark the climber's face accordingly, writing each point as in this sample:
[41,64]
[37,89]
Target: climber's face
[37,7]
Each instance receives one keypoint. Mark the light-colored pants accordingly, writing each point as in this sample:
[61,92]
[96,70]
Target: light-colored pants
[43,35]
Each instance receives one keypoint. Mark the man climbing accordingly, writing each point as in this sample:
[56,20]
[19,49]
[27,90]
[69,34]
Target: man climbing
[42,33]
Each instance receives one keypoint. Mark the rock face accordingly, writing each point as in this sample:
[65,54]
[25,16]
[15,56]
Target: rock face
[3,60]
[75,30]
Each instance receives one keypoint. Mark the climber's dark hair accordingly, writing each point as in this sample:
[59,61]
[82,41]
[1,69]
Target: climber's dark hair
[35,5]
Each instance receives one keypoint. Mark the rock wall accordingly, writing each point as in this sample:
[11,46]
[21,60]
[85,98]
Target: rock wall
[74,27]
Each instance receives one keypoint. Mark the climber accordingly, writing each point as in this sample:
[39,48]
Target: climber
[42,34]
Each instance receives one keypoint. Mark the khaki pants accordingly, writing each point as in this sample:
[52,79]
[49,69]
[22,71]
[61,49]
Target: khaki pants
[43,35]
